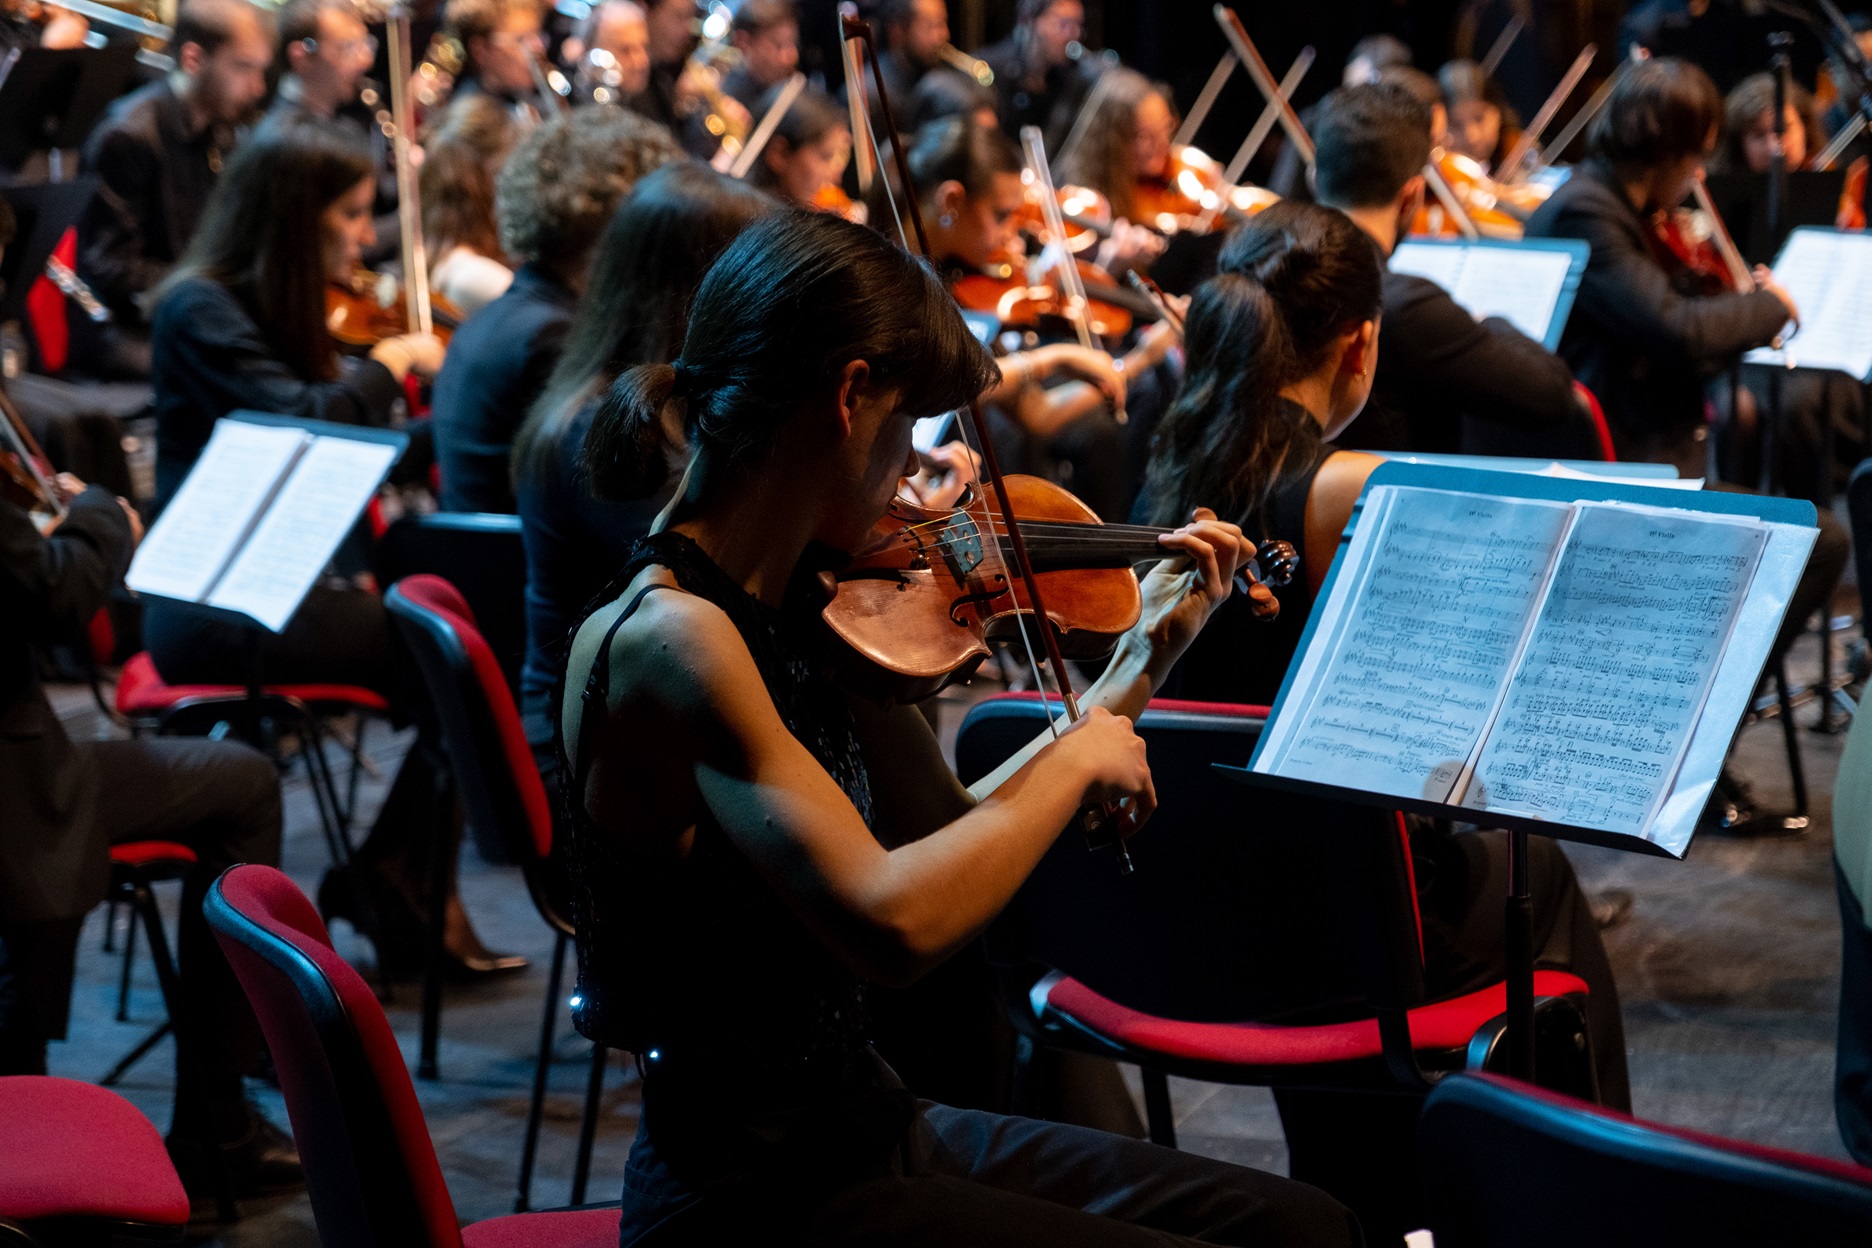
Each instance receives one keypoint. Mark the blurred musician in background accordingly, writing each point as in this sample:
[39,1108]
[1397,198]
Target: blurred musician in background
[620,31]
[1371,56]
[1482,125]
[553,197]
[911,36]
[1038,73]
[325,51]
[806,156]
[158,154]
[463,152]
[501,44]
[766,34]
[682,94]
[1444,382]
[1748,140]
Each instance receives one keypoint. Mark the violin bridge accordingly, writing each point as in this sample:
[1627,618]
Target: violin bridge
[961,544]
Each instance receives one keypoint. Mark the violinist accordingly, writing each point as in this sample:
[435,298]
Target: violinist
[552,199]
[157,154]
[1482,126]
[766,34]
[463,151]
[501,43]
[970,176]
[738,819]
[1040,71]
[1283,346]
[1445,382]
[805,158]
[1748,141]
[1126,155]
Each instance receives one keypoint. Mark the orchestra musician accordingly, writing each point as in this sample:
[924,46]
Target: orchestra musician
[735,818]
[1445,382]
[947,92]
[911,36]
[620,30]
[157,154]
[1748,134]
[1038,73]
[552,199]
[805,157]
[501,43]
[1283,349]
[679,94]
[1482,125]
[463,151]
[766,34]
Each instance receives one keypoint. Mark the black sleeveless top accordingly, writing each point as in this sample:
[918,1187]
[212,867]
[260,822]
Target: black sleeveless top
[1236,657]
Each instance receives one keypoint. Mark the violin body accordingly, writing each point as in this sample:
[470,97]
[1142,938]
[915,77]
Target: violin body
[917,607]
[1683,242]
[832,198]
[1003,292]
[375,306]
[1497,209]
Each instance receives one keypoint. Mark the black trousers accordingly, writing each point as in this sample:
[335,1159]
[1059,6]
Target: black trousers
[967,1177]
[221,799]
[1852,1075]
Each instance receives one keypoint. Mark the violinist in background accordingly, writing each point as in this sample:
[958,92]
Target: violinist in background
[766,34]
[1446,383]
[946,92]
[501,43]
[1370,57]
[805,157]
[1054,402]
[463,151]
[552,199]
[1125,154]
[1040,75]
[1482,125]
[1748,137]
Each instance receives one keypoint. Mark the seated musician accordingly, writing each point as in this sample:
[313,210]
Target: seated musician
[1040,77]
[946,92]
[910,38]
[805,158]
[680,95]
[644,272]
[463,151]
[620,30]
[1282,349]
[1482,125]
[766,34]
[553,196]
[1125,155]
[1445,383]
[240,325]
[970,177]
[731,815]
[1748,134]
[500,42]
[157,154]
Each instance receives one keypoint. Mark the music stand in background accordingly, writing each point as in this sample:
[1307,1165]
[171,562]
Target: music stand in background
[1741,200]
[51,97]
[44,211]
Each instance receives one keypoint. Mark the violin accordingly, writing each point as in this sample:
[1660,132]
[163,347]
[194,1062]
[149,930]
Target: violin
[1694,247]
[832,198]
[917,607]
[375,306]
[27,479]
[1496,210]
[1193,193]
[1003,291]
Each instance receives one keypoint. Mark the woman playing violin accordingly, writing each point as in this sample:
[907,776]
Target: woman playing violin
[738,821]
[805,158]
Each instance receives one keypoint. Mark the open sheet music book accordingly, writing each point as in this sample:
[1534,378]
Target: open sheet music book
[261,514]
[1829,273]
[1550,660]
[1530,284]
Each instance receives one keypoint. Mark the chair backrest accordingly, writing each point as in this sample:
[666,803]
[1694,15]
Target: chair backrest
[371,1169]
[1504,1163]
[1247,903]
[482,556]
[489,757]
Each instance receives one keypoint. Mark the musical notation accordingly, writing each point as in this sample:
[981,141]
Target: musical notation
[1829,273]
[1521,285]
[1616,668]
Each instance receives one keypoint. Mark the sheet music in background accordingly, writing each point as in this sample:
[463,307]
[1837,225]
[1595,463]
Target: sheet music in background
[1416,670]
[315,509]
[1617,667]
[1829,274]
[1520,285]
[198,532]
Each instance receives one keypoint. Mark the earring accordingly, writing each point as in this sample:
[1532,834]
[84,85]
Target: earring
[946,220]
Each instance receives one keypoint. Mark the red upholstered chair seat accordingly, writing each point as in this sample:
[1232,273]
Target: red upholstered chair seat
[566,1228]
[142,693]
[72,1150]
[1442,1026]
[145,855]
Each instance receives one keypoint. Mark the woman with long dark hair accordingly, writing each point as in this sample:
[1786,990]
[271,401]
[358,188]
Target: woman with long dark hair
[748,844]
[807,153]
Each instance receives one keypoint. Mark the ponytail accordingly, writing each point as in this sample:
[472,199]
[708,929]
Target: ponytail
[627,452]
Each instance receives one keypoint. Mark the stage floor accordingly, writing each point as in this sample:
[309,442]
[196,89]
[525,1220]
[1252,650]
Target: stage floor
[1728,968]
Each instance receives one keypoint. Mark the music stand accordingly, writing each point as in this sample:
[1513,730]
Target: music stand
[44,211]
[1741,200]
[51,97]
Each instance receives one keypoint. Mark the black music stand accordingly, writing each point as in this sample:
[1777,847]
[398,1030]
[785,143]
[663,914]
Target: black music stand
[51,97]
[43,211]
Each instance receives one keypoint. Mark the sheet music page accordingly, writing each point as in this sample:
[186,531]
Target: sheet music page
[1520,286]
[205,522]
[1617,666]
[317,506]
[1426,643]
[1441,263]
[1829,274]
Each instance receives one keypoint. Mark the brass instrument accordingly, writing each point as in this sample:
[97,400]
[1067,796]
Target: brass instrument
[976,68]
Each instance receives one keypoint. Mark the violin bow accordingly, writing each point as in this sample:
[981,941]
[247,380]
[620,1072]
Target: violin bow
[26,448]
[853,28]
[1033,146]
[1257,135]
[1513,168]
[769,122]
[409,202]
[1264,79]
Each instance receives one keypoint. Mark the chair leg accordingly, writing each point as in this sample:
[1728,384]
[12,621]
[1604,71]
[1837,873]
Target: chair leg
[588,1124]
[123,979]
[440,844]
[529,1149]
[357,766]
[110,923]
[1791,734]
[145,901]
[1157,1107]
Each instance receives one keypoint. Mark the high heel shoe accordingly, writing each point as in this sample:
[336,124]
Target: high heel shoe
[398,928]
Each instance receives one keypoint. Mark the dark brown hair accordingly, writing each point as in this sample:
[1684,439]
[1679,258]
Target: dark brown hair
[1659,111]
[1102,160]
[457,178]
[1751,99]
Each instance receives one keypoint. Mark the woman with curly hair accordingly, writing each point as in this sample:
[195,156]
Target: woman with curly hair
[552,200]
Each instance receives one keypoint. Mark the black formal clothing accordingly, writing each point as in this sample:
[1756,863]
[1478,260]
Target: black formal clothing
[764,1105]
[657,101]
[498,363]
[1451,385]
[1640,345]
[738,84]
[355,123]
[156,171]
[209,357]
[1053,106]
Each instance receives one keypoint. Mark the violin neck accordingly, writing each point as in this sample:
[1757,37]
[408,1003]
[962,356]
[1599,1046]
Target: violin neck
[1056,546]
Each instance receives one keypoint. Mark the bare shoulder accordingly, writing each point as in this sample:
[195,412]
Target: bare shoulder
[671,649]
[1340,481]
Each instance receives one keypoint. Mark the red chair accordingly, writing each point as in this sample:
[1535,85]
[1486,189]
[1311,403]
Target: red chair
[491,767]
[1507,1164]
[136,867]
[1265,939]
[82,1165]
[371,1169]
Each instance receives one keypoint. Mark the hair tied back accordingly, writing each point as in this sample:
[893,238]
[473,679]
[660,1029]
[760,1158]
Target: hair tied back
[682,379]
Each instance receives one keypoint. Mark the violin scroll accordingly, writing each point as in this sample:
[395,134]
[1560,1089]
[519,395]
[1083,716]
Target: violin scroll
[1276,563]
